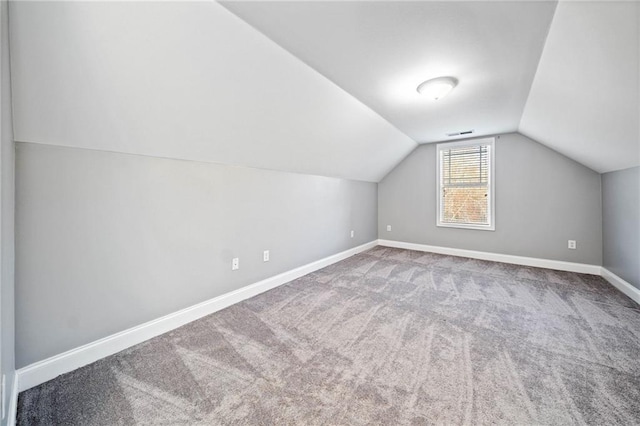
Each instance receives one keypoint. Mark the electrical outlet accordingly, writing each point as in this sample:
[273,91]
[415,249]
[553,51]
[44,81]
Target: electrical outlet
[572,244]
[388,228]
[353,234]
[235,264]
[265,256]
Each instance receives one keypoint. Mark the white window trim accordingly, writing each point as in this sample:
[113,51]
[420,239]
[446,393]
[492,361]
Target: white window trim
[492,184]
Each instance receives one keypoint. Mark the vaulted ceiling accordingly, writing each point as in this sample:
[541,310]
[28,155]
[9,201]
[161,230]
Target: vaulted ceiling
[584,101]
[566,76]
[185,80]
[381,51]
[325,88]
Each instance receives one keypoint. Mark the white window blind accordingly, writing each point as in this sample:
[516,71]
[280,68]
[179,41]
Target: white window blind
[465,186]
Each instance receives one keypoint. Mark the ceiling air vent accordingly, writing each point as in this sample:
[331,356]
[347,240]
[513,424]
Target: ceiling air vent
[466,132]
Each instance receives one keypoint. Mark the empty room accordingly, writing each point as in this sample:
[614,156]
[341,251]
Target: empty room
[320,212]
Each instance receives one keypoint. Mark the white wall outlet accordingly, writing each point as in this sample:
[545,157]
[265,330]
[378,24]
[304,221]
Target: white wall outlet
[235,263]
[388,228]
[265,256]
[572,244]
[353,234]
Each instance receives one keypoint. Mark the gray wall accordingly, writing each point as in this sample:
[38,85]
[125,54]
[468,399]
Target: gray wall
[107,241]
[543,199]
[7,353]
[621,224]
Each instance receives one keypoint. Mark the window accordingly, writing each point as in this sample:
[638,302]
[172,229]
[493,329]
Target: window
[466,184]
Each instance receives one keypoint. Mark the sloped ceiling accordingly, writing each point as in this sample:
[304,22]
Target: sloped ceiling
[192,80]
[585,96]
[381,51]
[583,102]
[186,80]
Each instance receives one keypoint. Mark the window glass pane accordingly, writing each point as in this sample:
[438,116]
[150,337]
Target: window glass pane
[464,184]
[465,205]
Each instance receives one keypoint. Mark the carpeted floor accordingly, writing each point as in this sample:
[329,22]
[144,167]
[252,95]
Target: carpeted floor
[386,337]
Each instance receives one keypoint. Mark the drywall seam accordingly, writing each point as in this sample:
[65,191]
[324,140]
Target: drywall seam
[187,160]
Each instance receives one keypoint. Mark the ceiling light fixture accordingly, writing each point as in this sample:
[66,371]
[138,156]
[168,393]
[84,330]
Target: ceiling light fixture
[437,88]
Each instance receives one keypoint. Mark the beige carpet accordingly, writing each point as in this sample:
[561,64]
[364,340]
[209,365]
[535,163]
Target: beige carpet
[386,337]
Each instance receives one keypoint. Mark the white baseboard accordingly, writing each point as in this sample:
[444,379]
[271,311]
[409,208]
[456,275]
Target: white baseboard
[622,285]
[42,371]
[12,412]
[497,257]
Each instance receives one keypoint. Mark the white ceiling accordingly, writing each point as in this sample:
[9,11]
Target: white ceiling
[585,96]
[191,80]
[584,101]
[185,80]
[380,51]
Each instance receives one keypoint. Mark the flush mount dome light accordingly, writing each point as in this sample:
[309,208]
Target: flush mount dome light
[437,88]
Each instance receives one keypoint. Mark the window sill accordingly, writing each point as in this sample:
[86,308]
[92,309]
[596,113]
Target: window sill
[465,226]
